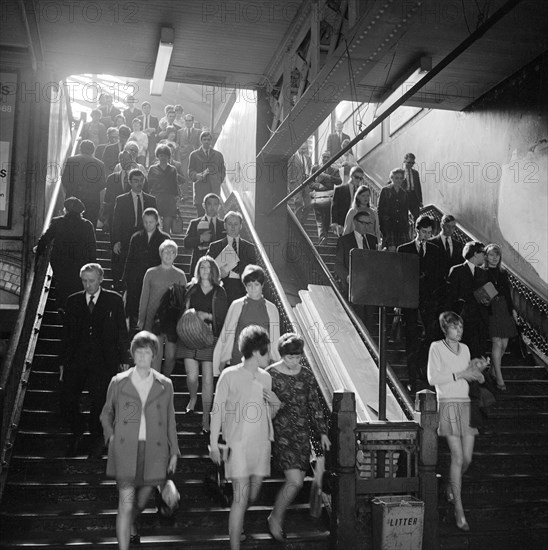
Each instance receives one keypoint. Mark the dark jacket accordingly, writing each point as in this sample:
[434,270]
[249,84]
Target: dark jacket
[345,244]
[192,240]
[124,223]
[219,305]
[105,329]
[340,205]
[456,255]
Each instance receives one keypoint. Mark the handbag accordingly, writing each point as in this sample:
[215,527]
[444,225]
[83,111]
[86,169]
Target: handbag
[484,294]
[167,498]
[321,198]
[193,332]
[315,500]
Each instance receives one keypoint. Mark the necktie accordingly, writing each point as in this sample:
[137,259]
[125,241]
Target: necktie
[188,133]
[146,122]
[91,304]
[139,214]
[212,227]
[236,269]
[448,247]
[125,181]
[422,251]
[409,180]
[365,244]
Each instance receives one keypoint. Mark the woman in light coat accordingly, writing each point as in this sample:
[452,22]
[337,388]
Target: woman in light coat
[139,427]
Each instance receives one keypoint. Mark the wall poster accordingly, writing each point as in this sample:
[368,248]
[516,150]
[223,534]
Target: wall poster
[8,88]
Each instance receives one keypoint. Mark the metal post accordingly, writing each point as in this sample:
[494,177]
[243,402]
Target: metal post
[382,363]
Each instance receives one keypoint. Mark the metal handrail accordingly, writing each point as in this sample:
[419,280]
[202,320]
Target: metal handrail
[23,338]
[393,381]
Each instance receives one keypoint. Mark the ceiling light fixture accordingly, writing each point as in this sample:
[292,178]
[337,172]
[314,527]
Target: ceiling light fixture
[165,49]
[404,85]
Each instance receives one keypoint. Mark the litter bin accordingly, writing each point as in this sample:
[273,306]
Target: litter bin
[397,522]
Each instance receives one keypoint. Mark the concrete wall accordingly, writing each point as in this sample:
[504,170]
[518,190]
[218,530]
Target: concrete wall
[237,144]
[487,166]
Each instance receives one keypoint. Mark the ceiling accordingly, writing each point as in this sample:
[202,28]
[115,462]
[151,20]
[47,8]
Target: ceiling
[243,43]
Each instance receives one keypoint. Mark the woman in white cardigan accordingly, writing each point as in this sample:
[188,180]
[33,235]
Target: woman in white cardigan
[252,309]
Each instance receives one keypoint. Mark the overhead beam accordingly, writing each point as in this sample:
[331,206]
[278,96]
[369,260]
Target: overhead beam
[377,30]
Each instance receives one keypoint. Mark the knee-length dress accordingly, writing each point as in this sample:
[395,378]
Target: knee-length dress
[501,322]
[299,417]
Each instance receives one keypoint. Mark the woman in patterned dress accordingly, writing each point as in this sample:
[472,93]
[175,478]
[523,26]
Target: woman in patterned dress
[299,417]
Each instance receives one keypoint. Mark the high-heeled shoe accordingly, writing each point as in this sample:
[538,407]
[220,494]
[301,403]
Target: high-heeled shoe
[461,522]
[134,539]
[449,497]
[501,387]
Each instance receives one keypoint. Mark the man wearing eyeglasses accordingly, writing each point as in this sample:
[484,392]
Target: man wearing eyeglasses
[412,184]
[342,199]
[362,237]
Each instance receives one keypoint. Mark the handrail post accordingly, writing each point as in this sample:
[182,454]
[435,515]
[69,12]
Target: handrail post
[343,426]
[426,405]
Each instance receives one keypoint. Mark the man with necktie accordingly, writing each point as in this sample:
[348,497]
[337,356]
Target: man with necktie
[151,127]
[362,237]
[206,169]
[335,140]
[188,140]
[412,184]
[462,281]
[95,348]
[298,170]
[431,283]
[127,219]
[203,231]
[445,241]
[244,250]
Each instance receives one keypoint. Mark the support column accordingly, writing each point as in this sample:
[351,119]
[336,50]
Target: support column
[270,188]
[426,404]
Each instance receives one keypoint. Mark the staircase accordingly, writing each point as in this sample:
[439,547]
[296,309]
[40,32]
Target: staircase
[52,501]
[504,492]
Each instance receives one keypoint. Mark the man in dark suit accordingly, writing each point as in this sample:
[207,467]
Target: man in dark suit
[451,248]
[363,238]
[112,138]
[108,111]
[412,184]
[206,169]
[151,126]
[430,287]
[143,253]
[342,198]
[84,178]
[462,281]
[95,347]
[110,155]
[188,139]
[170,123]
[245,251]
[298,169]
[127,219]
[326,181]
[131,112]
[335,140]
[205,230]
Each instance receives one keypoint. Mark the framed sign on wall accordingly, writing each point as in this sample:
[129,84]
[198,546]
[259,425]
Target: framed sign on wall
[8,97]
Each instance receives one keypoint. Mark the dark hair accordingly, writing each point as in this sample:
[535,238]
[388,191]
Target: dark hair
[162,150]
[96,113]
[214,273]
[135,172]
[290,344]
[471,248]
[211,196]
[360,191]
[423,222]
[448,318]
[151,212]
[204,134]
[409,156]
[144,339]
[253,338]
[123,130]
[361,214]
[87,147]
[146,103]
[497,249]
[447,218]
[253,273]
[138,121]
[112,130]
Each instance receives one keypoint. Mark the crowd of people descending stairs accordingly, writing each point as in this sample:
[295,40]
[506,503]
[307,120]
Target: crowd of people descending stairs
[220,325]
